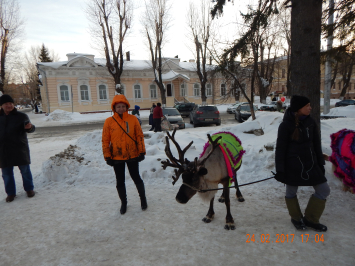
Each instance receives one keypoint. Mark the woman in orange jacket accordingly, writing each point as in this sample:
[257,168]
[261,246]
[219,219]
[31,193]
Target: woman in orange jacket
[123,143]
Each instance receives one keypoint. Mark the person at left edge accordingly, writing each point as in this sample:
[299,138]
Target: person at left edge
[123,143]
[14,150]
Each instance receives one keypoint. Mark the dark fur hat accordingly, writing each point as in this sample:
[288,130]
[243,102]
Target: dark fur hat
[297,102]
[6,99]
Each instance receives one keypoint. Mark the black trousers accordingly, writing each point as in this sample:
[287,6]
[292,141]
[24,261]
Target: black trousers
[157,124]
[133,168]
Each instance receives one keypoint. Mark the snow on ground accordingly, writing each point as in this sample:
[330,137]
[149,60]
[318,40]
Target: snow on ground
[348,111]
[74,218]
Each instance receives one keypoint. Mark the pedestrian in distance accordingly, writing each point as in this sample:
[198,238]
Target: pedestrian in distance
[299,162]
[123,144]
[151,121]
[157,116]
[135,112]
[14,149]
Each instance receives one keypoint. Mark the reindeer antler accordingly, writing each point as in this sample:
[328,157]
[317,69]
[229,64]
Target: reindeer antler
[180,163]
[214,144]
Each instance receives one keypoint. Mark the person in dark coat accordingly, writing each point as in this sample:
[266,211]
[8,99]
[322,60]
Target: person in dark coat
[299,162]
[14,150]
[151,122]
[157,115]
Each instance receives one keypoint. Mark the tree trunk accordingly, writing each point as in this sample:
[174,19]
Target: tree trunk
[4,45]
[305,52]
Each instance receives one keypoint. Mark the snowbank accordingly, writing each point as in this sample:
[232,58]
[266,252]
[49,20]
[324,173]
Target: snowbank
[348,111]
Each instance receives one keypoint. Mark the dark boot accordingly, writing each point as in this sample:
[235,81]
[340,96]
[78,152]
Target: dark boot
[141,192]
[313,213]
[123,196]
[295,212]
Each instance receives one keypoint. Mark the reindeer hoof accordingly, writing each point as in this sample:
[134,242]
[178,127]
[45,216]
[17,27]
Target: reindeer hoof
[221,199]
[229,227]
[241,199]
[207,219]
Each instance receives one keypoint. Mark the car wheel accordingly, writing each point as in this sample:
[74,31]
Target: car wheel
[218,124]
[195,125]
[235,116]
[191,122]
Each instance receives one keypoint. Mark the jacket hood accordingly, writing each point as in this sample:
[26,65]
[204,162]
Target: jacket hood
[120,98]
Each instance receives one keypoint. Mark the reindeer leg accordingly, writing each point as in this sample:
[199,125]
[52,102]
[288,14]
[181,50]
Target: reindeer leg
[238,194]
[210,214]
[229,218]
[221,198]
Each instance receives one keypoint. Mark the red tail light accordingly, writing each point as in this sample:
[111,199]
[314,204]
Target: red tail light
[199,112]
[217,112]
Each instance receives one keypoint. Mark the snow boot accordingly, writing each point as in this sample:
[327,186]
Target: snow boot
[123,196]
[141,192]
[313,213]
[295,212]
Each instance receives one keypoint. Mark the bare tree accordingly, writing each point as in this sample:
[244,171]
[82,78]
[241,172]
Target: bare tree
[199,23]
[10,29]
[111,20]
[156,22]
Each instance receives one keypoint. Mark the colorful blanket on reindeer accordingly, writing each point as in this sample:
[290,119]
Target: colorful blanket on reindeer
[232,150]
[343,157]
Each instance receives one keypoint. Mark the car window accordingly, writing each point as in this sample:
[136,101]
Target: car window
[208,108]
[170,112]
[247,108]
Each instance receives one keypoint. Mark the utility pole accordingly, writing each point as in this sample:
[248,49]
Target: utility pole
[328,63]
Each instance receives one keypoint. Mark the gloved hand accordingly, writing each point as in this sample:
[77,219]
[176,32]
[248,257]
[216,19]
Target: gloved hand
[322,169]
[141,157]
[280,176]
[109,161]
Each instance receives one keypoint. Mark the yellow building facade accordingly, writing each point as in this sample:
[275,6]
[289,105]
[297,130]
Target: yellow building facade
[83,84]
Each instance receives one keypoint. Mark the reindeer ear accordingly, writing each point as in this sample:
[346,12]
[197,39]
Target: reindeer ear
[202,171]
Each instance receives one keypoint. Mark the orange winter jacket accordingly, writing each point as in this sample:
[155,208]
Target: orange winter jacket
[115,143]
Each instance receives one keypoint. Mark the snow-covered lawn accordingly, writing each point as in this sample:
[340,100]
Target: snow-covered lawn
[74,218]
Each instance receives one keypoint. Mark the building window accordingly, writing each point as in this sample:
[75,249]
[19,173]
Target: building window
[196,89]
[283,73]
[208,89]
[102,92]
[84,92]
[153,91]
[64,93]
[169,91]
[137,92]
[223,89]
[183,88]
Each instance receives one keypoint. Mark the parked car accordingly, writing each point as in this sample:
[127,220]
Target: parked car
[231,110]
[272,106]
[185,108]
[205,114]
[345,103]
[242,113]
[173,116]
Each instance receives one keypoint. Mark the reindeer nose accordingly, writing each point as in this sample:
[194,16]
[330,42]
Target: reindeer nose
[182,199]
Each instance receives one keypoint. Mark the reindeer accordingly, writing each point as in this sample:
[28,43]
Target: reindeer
[202,174]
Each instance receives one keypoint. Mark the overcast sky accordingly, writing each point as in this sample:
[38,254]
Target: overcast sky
[62,26]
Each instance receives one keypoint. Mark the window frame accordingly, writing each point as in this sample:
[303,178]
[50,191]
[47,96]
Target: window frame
[197,89]
[140,91]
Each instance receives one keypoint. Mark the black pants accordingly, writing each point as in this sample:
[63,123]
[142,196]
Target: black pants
[133,168]
[157,124]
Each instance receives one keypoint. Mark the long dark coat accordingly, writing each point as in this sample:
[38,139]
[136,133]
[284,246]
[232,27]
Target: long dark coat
[299,160]
[14,148]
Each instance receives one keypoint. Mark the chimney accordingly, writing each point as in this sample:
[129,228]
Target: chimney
[128,56]
[192,60]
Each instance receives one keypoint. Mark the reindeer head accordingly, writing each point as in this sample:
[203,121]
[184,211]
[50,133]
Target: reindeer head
[192,172]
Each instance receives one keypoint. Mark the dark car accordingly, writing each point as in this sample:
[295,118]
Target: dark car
[185,108]
[345,103]
[173,116]
[242,113]
[205,114]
